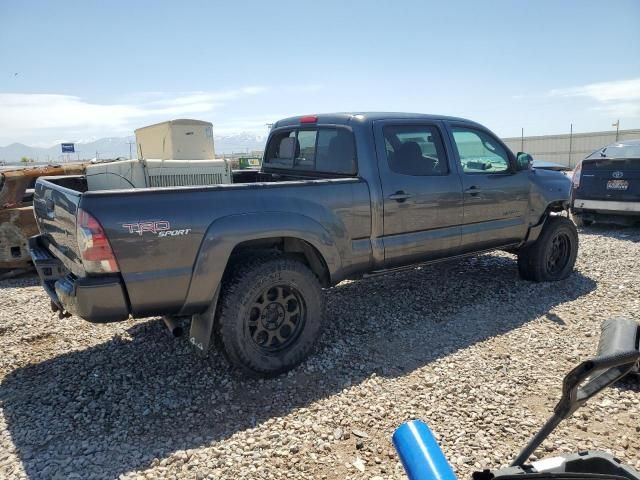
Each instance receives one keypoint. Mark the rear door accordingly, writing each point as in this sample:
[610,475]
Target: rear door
[610,179]
[496,196]
[55,207]
[422,192]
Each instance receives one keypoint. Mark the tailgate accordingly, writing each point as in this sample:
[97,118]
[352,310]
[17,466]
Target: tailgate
[610,179]
[55,203]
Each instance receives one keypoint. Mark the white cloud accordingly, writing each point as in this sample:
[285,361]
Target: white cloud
[611,100]
[604,92]
[620,110]
[31,115]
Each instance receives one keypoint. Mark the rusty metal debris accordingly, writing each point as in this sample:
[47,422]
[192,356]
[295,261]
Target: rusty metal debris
[16,226]
[14,183]
[17,222]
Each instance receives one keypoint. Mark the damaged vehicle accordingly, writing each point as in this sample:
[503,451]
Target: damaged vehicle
[606,186]
[17,222]
[338,196]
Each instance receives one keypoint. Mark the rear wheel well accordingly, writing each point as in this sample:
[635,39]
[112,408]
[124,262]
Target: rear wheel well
[296,247]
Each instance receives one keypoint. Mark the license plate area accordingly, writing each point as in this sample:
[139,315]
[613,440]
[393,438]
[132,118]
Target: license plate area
[617,184]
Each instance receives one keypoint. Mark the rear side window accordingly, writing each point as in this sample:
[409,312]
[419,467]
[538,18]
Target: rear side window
[415,150]
[324,150]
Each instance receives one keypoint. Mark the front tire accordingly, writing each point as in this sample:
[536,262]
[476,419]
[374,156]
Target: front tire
[270,315]
[553,255]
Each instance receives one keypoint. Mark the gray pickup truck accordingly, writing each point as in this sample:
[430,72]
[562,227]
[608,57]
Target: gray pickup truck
[338,196]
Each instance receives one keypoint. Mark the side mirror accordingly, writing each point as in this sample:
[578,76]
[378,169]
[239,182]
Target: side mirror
[524,161]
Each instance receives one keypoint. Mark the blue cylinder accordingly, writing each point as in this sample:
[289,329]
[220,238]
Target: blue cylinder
[420,453]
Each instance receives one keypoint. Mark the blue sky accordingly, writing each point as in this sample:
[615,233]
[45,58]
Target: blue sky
[89,69]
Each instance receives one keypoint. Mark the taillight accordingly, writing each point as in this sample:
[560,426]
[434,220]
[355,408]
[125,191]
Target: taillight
[309,119]
[95,250]
[576,175]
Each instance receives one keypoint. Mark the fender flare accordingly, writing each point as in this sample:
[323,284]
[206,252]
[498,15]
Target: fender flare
[535,230]
[225,233]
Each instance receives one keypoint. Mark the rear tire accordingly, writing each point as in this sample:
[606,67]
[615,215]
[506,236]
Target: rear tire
[553,255]
[270,315]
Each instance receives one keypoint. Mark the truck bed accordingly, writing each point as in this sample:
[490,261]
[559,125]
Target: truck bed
[166,273]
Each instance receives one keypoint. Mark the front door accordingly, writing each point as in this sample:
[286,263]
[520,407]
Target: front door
[422,192]
[496,195]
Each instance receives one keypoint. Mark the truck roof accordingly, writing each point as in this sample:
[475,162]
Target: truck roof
[365,117]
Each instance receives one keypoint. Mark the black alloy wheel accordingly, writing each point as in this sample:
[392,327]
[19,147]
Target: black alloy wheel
[276,318]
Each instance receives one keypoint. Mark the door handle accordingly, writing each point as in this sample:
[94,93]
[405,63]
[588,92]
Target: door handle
[474,191]
[399,196]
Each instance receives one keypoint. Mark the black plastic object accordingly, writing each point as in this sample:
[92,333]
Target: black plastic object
[617,335]
[617,356]
[590,465]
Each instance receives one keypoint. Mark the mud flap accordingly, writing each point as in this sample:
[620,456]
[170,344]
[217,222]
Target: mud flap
[202,328]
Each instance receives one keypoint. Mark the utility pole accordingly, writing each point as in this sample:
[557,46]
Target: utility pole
[130,143]
[570,143]
[522,139]
[617,125]
[97,154]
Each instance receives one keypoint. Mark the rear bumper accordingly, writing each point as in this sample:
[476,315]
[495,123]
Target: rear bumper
[99,300]
[607,206]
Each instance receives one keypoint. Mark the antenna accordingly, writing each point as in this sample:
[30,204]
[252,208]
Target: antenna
[130,143]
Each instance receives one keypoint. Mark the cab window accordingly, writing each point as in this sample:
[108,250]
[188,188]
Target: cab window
[323,149]
[281,149]
[479,153]
[415,150]
[305,153]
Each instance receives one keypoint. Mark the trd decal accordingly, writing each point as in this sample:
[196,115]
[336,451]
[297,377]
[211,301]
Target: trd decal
[161,228]
[174,233]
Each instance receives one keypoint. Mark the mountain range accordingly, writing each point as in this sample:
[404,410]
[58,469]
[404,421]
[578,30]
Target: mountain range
[114,147]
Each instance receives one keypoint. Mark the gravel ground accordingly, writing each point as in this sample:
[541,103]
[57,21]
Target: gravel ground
[467,346]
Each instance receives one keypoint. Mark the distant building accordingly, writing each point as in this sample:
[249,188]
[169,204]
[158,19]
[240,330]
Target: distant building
[567,149]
